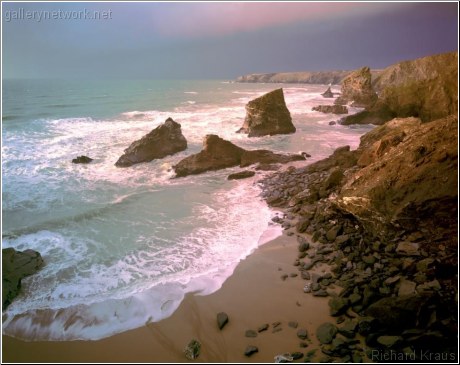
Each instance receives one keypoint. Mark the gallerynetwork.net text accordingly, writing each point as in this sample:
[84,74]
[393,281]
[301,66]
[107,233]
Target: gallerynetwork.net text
[40,15]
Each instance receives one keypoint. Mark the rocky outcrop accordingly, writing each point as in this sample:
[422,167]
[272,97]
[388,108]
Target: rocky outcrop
[164,140]
[426,88]
[241,175]
[15,266]
[267,115]
[357,89]
[218,154]
[82,159]
[328,93]
[385,218]
[334,109]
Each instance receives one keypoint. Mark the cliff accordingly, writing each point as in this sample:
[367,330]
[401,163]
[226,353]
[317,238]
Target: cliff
[306,77]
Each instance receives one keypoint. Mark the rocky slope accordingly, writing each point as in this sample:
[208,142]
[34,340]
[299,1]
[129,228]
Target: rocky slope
[385,218]
[164,140]
[267,115]
[218,154]
[426,88]
[16,265]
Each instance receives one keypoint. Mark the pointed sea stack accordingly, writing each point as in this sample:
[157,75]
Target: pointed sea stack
[267,115]
[166,139]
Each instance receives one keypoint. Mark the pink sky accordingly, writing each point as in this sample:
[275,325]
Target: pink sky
[208,19]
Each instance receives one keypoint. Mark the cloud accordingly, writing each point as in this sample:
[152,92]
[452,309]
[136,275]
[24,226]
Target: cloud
[217,19]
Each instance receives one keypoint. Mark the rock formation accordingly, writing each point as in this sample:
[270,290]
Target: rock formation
[164,140]
[267,115]
[15,266]
[328,93]
[82,159]
[218,153]
[334,109]
[426,88]
[357,89]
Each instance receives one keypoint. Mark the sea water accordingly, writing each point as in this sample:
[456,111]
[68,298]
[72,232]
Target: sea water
[122,246]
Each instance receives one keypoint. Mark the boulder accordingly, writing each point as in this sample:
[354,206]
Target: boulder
[357,89]
[328,93]
[222,319]
[218,153]
[166,139]
[267,115]
[193,349]
[241,175]
[326,333]
[334,109]
[15,266]
[82,159]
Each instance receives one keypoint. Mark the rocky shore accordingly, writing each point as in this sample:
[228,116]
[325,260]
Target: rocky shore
[383,218]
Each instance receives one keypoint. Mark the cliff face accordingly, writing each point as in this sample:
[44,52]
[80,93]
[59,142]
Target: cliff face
[426,88]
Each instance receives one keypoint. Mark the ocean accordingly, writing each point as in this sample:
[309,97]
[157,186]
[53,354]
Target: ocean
[122,246]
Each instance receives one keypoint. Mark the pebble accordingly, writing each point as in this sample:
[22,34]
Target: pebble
[264,327]
[293,324]
[251,333]
[222,320]
[302,334]
[250,350]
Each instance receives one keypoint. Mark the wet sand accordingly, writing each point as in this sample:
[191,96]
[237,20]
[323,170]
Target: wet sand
[254,295]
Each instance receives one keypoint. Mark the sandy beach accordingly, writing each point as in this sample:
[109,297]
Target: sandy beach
[254,295]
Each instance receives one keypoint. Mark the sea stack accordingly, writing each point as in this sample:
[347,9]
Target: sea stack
[267,115]
[166,139]
[357,88]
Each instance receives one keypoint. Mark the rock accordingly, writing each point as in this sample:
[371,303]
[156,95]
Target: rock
[367,325]
[218,153]
[222,320]
[267,115]
[306,77]
[166,139]
[320,293]
[302,334]
[408,248]
[264,327]
[304,246]
[406,287]
[333,233]
[250,350]
[241,175]
[328,93]
[250,333]
[15,266]
[389,341]
[82,159]
[326,332]
[284,358]
[332,122]
[357,88]
[334,109]
[192,350]
[296,355]
[349,328]
[338,305]
[293,324]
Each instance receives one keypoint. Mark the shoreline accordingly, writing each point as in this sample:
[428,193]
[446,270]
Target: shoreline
[254,295]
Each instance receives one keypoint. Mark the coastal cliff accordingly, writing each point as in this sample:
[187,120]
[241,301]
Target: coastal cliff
[306,77]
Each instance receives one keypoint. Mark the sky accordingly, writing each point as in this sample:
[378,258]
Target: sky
[217,40]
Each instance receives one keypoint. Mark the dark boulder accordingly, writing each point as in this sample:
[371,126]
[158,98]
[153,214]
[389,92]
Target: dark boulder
[222,319]
[328,93]
[82,159]
[267,115]
[241,175]
[164,140]
[15,266]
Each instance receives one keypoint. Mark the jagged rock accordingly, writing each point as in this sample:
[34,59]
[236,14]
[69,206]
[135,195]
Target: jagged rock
[164,140]
[267,115]
[218,153]
[408,248]
[15,266]
[82,159]
[334,109]
[222,320]
[326,332]
[406,287]
[328,93]
[357,88]
[241,175]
